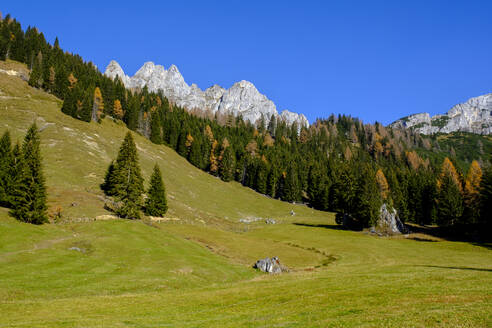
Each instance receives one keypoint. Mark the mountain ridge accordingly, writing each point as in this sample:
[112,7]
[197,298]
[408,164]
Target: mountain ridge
[474,115]
[242,98]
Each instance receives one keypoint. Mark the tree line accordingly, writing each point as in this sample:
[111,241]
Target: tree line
[337,164]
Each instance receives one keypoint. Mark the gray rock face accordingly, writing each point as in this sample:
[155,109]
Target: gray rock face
[270,265]
[241,99]
[475,116]
[388,222]
[114,69]
[290,118]
[244,99]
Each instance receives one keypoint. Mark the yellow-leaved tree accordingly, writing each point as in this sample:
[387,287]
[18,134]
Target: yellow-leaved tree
[209,133]
[214,165]
[268,140]
[118,110]
[472,193]
[72,80]
[189,141]
[98,105]
[449,197]
[448,170]
[382,184]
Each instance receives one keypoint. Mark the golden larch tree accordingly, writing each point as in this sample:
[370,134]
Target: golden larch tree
[117,109]
[214,165]
[72,80]
[472,191]
[304,136]
[473,178]
[225,144]
[448,170]
[378,148]
[347,154]
[414,160]
[51,78]
[382,184]
[209,133]
[98,105]
[252,147]
[353,134]
[268,140]
[189,141]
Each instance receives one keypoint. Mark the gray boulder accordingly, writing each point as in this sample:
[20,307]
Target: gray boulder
[389,222]
[270,265]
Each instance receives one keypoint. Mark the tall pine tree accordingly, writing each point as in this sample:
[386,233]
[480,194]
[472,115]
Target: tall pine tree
[5,163]
[449,198]
[472,194]
[291,189]
[368,198]
[156,204]
[227,164]
[29,194]
[127,181]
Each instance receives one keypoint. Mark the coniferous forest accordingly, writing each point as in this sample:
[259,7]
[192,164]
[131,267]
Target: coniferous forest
[338,164]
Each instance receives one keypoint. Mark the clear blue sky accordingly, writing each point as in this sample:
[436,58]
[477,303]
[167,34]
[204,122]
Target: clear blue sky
[377,60]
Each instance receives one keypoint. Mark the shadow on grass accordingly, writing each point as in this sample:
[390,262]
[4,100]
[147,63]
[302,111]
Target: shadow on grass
[423,239]
[469,236]
[325,226]
[474,235]
[486,245]
[455,268]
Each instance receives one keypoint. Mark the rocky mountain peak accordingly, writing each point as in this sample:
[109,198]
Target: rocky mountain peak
[173,68]
[474,115]
[243,98]
[114,69]
[291,117]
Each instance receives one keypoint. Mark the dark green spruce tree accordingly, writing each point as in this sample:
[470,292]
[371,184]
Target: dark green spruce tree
[5,163]
[29,194]
[449,203]
[127,181]
[227,164]
[292,189]
[261,177]
[272,180]
[155,129]
[156,203]
[367,198]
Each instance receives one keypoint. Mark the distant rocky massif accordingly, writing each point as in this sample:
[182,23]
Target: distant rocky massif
[241,99]
[474,116]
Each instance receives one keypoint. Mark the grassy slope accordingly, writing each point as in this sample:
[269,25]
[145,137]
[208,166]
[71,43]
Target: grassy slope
[196,271]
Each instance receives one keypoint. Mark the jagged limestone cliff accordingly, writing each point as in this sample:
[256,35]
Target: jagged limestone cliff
[474,115]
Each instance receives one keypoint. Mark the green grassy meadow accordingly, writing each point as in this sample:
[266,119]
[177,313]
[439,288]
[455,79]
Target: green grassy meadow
[195,270]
